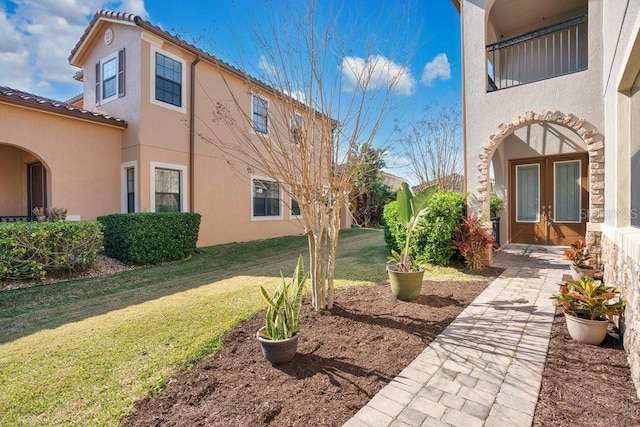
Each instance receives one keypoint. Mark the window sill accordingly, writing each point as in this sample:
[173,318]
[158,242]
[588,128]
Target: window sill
[266,218]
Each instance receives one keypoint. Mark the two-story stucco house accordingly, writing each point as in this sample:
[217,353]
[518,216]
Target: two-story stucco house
[552,113]
[132,142]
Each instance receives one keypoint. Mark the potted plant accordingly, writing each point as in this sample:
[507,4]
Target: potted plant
[279,337]
[580,259]
[405,273]
[474,242]
[588,304]
[495,204]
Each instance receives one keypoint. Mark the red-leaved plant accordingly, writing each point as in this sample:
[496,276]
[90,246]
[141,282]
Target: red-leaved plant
[472,240]
[578,254]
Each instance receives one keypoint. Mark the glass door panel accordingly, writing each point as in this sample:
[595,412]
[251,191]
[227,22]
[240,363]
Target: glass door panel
[567,191]
[528,193]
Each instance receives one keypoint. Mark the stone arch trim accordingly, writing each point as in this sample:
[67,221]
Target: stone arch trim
[593,140]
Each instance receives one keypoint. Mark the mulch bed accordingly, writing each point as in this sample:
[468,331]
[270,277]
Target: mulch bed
[344,358]
[586,384]
[347,355]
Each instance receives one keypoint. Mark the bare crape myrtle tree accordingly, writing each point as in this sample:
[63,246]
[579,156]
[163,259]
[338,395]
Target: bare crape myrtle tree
[433,145]
[302,118]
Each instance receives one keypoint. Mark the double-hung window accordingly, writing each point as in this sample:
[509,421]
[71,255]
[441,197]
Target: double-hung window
[168,187]
[260,114]
[168,197]
[110,76]
[266,199]
[168,80]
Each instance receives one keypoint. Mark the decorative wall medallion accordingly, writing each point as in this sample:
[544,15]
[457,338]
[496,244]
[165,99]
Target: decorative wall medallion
[108,36]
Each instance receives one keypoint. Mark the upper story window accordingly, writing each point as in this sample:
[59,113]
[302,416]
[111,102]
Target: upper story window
[168,80]
[260,109]
[110,77]
[296,128]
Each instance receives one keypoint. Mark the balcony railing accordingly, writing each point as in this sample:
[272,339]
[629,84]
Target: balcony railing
[540,54]
[17,218]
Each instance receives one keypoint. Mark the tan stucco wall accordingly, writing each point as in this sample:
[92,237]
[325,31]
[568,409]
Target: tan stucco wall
[82,160]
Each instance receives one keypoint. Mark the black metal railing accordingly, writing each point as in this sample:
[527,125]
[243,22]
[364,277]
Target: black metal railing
[541,54]
[17,218]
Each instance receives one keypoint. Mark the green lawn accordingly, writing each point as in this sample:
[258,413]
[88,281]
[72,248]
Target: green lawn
[82,352]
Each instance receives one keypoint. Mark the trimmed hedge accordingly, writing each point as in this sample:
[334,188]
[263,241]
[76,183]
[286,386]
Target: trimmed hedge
[434,241]
[30,250]
[150,238]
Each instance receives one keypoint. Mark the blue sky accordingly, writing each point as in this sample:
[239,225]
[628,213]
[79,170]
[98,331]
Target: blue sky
[36,37]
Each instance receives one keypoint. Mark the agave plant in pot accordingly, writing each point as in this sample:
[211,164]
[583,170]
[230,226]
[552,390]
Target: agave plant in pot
[405,274]
[588,304]
[279,337]
[581,260]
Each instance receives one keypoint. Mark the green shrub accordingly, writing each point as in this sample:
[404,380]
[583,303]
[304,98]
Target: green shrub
[394,232]
[28,251]
[150,238]
[495,204]
[434,241]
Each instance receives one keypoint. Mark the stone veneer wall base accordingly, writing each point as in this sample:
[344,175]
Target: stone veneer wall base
[621,271]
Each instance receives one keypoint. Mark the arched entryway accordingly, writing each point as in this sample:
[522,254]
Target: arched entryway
[24,183]
[591,155]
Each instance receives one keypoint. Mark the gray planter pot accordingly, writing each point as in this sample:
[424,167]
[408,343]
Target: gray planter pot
[278,352]
[405,286]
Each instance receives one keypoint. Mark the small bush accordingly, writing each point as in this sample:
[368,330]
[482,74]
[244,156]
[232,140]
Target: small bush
[473,241]
[150,238]
[28,251]
[495,204]
[434,241]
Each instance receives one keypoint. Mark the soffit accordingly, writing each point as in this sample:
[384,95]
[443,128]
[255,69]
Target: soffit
[512,17]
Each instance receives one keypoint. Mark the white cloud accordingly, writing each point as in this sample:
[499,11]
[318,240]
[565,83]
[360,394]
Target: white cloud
[377,72]
[36,39]
[438,68]
[267,66]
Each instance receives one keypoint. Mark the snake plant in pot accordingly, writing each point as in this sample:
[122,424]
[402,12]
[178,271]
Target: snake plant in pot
[279,337]
[405,274]
[588,304]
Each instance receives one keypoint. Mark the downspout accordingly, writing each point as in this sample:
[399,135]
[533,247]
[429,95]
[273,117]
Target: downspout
[464,99]
[192,132]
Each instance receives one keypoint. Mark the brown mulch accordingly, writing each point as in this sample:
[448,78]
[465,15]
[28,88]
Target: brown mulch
[347,355]
[586,384]
[344,358]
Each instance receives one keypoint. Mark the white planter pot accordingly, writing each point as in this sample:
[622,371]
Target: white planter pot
[579,272]
[586,330]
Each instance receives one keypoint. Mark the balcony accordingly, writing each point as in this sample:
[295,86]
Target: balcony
[541,54]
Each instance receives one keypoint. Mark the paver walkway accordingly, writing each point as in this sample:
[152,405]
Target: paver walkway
[485,368]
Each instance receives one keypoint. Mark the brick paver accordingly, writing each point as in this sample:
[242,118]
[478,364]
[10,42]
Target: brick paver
[485,368]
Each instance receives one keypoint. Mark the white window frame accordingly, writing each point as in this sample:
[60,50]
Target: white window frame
[123,186]
[253,127]
[265,218]
[103,61]
[555,196]
[183,184]
[152,80]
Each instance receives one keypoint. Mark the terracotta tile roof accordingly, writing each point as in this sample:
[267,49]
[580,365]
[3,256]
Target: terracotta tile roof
[29,100]
[138,21]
